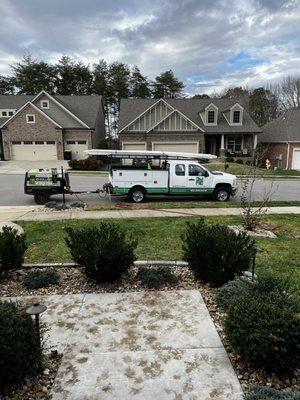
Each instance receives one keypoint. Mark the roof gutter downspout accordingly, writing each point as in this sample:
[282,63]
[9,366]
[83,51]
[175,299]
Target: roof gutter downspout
[288,156]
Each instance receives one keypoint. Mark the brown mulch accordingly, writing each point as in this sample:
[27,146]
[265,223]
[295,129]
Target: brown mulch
[72,281]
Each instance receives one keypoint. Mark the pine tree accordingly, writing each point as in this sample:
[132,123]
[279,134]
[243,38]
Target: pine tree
[139,84]
[263,106]
[167,86]
[6,85]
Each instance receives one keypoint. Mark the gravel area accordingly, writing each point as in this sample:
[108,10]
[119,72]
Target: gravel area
[72,281]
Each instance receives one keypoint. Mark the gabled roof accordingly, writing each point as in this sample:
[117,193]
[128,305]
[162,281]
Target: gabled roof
[130,109]
[286,128]
[85,108]
[169,115]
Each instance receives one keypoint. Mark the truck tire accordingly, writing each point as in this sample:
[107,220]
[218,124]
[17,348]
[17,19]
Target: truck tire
[41,198]
[221,193]
[137,194]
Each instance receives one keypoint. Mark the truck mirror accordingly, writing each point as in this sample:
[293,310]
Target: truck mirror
[206,174]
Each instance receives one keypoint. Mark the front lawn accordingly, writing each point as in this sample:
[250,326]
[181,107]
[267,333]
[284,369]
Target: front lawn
[242,169]
[159,238]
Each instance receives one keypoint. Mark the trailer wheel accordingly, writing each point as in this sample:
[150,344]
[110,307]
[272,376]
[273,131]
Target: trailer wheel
[41,198]
[137,194]
[221,193]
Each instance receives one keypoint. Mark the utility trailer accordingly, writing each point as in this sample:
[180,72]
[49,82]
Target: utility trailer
[165,173]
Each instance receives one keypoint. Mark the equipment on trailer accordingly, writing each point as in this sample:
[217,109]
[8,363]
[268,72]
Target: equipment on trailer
[165,173]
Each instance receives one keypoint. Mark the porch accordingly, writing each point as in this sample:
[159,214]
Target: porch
[235,145]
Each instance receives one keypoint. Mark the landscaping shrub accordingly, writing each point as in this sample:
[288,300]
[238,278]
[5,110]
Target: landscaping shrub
[40,278]
[264,328]
[215,253]
[20,354]
[12,249]
[239,161]
[229,159]
[104,250]
[87,164]
[229,292]
[267,393]
[155,277]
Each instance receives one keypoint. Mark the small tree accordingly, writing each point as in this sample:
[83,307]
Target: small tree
[12,249]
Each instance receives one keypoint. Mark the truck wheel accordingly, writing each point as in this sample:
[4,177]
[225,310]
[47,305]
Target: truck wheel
[41,198]
[221,193]
[137,195]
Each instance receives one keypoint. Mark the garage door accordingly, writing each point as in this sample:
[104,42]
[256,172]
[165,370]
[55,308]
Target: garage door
[296,159]
[32,151]
[134,146]
[179,147]
[77,147]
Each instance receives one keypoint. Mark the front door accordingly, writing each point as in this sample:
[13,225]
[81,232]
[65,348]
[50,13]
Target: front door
[210,145]
[197,182]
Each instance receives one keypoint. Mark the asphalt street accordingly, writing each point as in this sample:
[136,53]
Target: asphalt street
[12,190]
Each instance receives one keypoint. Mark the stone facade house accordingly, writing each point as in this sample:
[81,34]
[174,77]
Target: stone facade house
[281,140]
[213,126]
[44,126]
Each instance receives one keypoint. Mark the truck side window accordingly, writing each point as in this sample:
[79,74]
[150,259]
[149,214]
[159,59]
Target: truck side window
[180,169]
[196,170]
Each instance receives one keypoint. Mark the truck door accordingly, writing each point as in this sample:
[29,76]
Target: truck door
[178,177]
[198,179]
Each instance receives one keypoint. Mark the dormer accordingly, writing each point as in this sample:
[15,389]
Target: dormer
[236,115]
[211,115]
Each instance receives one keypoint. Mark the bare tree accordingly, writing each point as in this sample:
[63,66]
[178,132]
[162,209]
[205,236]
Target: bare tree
[290,92]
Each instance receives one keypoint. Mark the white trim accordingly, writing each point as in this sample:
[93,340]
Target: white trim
[163,142]
[47,106]
[148,109]
[288,156]
[61,106]
[208,108]
[232,109]
[33,118]
[179,112]
[297,149]
[36,109]
[7,110]
[134,143]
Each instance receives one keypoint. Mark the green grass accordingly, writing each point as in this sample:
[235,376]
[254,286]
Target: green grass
[159,238]
[241,169]
[152,203]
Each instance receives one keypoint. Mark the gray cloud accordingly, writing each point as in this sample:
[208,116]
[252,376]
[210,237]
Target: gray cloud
[208,44]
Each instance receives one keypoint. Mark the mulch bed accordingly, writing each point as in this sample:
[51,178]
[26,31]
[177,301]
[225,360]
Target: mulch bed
[39,387]
[72,281]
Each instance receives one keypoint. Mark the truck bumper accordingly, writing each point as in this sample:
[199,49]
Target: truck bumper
[234,191]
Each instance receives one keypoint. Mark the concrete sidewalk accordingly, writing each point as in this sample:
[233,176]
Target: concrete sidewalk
[35,213]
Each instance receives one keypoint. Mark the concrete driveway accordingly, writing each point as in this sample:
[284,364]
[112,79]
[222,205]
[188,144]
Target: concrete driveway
[142,345]
[20,167]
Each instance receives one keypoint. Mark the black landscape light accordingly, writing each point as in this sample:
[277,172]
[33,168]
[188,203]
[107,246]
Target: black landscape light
[36,309]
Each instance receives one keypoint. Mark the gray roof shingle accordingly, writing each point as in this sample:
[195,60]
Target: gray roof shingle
[286,128]
[83,107]
[132,108]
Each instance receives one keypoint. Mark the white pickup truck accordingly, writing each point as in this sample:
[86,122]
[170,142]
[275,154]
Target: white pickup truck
[175,177]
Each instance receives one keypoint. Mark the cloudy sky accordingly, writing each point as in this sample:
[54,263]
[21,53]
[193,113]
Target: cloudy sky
[209,44]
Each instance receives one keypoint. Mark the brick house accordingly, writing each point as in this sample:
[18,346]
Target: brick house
[281,140]
[42,127]
[214,126]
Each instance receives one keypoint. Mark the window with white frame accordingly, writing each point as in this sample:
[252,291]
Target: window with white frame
[211,116]
[45,104]
[7,113]
[30,118]
[234,144]
[236,118]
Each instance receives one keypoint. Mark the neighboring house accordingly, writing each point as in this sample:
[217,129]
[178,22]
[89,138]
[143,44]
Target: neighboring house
[213,126]
[281,140]
[42,127]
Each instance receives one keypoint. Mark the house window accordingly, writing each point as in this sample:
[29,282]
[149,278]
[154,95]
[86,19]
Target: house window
[234,145]
[44,104]
[236,117]
[81,142]
[16,142]
[4,113]
[71,142]
[210,117]
[30,119]
[39,142]
[27,142]
[180,169]
[50,142]
[10,113]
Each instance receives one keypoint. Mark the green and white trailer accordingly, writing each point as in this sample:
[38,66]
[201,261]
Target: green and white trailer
[165,173]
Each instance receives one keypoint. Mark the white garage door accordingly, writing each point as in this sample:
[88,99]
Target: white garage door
[33,151]
[134,146]
[185,147]
[296,159]
[77,147]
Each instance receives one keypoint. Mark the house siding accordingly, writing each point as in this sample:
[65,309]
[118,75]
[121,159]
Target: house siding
[42,129]
[78,134]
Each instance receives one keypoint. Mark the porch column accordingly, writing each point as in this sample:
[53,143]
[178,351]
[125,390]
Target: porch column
[254,141]
[222,148]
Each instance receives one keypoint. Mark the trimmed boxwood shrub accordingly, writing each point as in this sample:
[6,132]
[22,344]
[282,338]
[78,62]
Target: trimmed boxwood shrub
[12,249]
[20,354]
[267,393]
[229,292]
[264,328]
[155,277]
[215,253]
[40,278]
[104,250]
